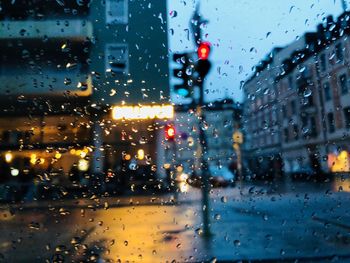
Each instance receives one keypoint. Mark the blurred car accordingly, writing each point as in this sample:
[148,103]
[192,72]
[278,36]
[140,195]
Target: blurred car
[221,176]
[218,177]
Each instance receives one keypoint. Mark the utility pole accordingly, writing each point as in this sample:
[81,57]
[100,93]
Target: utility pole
[202,68]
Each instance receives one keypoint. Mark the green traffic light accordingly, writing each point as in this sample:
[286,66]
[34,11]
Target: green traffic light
[182,92]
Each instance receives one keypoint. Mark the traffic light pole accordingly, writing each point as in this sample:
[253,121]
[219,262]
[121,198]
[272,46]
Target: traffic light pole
[203,67]
[204,164]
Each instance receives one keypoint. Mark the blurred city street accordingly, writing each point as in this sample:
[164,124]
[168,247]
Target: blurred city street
[302,220]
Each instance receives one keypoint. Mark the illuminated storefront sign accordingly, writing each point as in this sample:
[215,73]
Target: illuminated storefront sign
[143,112]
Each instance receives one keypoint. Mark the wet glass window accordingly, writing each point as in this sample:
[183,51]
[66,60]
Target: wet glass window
[174,131]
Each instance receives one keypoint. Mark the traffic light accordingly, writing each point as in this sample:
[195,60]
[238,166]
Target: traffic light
[170,133]
[184,73]
[203,50]
[203,65]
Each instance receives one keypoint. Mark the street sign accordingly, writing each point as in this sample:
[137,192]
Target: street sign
[237,137]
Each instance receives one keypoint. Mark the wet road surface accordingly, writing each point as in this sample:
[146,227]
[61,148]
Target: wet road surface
[306,221]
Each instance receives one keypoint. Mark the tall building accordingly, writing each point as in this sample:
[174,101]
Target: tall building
[311,90]
[222,120]
[83,84]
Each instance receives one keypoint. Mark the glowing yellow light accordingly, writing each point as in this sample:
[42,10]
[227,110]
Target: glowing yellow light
[58,155]
[14,172]
[72,151]
[179,169]
[183,177]
[8,157]
[33,158]
[183,186]
[83,165]
[42,160]
[140,154]
[127,157]
[340,162]
[143,112]
[167,166]
[82,154]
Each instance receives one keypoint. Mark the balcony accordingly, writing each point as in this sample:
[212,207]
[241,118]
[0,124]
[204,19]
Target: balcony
[51,84]
[75,30]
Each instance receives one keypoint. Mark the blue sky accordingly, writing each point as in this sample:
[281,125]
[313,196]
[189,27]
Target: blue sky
[242,32]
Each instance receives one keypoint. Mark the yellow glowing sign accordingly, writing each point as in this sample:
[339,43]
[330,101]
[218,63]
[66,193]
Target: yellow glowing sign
[143,112]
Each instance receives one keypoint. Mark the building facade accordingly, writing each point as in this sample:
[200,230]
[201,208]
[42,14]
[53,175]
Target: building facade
[222,120]
[76,80]
[311,106]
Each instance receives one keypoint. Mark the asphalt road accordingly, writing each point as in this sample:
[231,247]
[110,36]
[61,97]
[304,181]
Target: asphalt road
[305,221]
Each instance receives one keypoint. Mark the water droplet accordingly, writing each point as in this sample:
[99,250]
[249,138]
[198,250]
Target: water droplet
[307,93]
[217,217]
[224,199]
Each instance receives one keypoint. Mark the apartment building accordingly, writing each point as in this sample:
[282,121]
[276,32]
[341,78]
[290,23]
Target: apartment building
[312,103]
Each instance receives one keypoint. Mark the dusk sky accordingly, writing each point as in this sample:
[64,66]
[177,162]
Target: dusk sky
[242,33]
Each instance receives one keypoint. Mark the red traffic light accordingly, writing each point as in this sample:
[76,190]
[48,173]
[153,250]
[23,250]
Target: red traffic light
[203,50]
[170,133]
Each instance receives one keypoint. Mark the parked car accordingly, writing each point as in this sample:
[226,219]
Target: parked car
[221,176]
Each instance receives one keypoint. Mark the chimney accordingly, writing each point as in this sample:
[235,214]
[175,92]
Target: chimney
[330,20]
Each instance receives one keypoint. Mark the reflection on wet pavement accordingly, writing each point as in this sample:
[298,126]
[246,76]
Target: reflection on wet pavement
[246,222]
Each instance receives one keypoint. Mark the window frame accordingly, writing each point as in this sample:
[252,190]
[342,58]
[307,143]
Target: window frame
[107,54]
[110,19]
[342,89]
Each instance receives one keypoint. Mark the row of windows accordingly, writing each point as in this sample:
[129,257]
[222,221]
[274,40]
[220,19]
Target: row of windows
[310,127]
[331,120]
[339,55]
[343,85]
[267,139]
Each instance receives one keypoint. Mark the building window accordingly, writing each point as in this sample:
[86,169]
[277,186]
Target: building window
[323,62]
[343,84]
[293,107]
[296,131]
[117,58]
[290,82]
[347,117]
[331,125]
[314,131]
[327,91]
[286,134]
[117,11]
[339,52]
[284,111]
